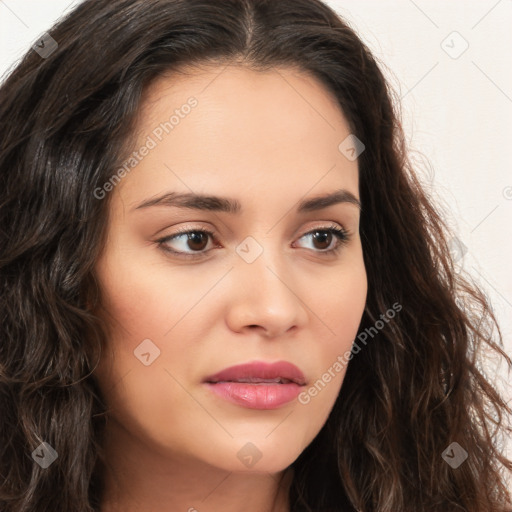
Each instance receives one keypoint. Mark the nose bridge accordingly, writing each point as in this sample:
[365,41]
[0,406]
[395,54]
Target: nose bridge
[265,294]
[262,262]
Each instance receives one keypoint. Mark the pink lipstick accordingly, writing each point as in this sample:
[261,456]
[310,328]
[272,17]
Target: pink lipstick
[258,385]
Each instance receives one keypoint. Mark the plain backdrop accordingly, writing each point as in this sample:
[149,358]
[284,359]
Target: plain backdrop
[451,66]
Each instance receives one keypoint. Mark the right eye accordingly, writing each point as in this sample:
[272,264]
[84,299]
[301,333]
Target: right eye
[187,239]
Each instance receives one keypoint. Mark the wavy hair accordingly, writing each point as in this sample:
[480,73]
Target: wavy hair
[65,123]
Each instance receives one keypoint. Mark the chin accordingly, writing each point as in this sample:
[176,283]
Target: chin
[263,456]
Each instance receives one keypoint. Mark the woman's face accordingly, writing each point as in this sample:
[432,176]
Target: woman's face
[262,289]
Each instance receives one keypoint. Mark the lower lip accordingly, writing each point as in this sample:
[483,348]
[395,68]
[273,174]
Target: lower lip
[256,396]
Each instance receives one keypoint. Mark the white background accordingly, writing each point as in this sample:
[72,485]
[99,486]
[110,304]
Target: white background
[457,112]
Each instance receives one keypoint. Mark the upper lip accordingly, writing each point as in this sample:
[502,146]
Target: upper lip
[258,371]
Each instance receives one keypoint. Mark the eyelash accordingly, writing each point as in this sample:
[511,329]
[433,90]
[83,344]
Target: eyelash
[341,235]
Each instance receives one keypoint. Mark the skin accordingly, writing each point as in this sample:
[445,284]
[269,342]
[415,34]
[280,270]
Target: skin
[267,139]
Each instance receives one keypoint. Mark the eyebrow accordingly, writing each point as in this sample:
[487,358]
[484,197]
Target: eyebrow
[227,205]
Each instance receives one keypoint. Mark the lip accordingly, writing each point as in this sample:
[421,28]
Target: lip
[234,384]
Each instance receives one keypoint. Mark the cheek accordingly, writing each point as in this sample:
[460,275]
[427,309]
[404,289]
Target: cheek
[339,310]
[144,300]
[144,369]
[339,306]
[149,298]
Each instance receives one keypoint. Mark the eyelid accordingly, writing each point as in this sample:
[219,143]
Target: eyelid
[342,235]
[183,231]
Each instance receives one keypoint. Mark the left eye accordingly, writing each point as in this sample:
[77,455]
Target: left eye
[328,235]
[196,240]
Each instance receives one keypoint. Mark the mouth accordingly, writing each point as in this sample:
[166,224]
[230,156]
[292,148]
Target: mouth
[258,385]
[256,380]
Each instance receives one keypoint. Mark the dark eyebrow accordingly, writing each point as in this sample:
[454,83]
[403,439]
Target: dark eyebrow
[194,202]
[320,202]
[227,205]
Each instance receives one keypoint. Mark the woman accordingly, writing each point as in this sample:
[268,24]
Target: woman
[223,287]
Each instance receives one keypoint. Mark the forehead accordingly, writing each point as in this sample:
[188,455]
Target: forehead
[278,127]
[239,93]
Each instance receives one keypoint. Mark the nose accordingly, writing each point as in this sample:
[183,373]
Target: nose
[266,296]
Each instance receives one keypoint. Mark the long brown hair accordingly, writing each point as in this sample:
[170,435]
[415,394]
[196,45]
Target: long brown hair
[65,120]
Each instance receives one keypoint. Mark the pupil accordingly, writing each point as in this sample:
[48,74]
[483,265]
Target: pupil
[325,235]
[195,238]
